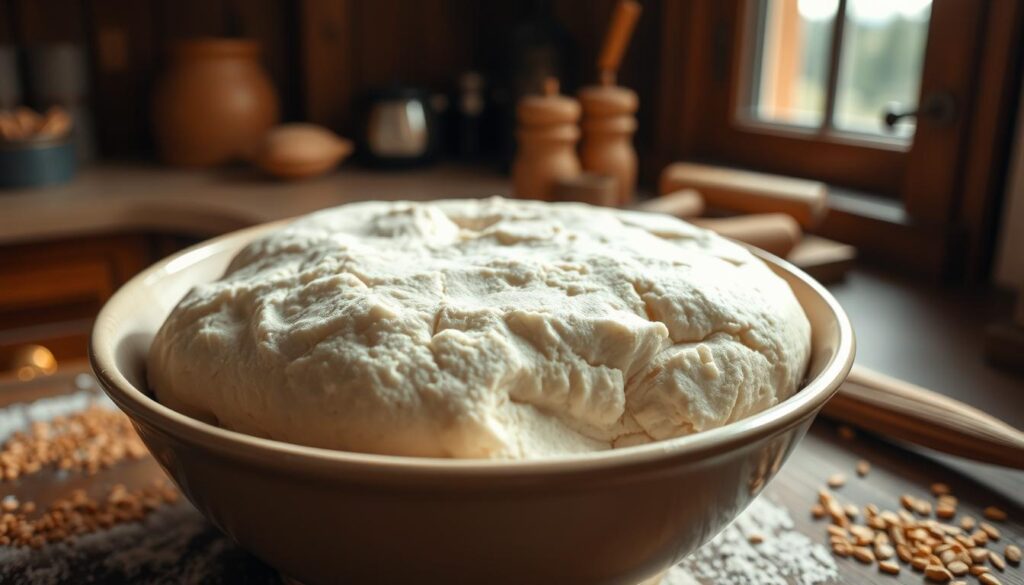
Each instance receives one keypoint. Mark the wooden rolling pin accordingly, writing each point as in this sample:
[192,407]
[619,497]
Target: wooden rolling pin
[685,203]
[775,233]
[747,192]
[901,410]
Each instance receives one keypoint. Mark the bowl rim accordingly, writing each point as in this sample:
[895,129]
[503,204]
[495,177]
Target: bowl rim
[143,408]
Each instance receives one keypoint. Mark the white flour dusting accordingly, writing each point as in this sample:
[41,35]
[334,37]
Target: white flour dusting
[18,417]
[785,557]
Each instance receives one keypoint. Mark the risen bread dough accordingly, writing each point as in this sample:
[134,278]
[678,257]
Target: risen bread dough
[482,328]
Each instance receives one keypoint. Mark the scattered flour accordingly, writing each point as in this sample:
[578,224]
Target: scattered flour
[785,557]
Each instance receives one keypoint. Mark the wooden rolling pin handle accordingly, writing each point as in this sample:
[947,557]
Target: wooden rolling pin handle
[627,12]
[748,192]
[684,203]
[898,409]
[776,233]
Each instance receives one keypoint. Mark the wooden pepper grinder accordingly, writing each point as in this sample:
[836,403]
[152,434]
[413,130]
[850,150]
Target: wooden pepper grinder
[609,119]
[547,137]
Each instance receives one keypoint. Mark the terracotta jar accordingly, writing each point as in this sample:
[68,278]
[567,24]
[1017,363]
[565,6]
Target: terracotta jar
[214,102]
[546,137]
[609,123]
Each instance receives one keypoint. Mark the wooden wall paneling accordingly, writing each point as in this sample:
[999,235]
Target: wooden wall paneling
[183,19]
[125,57]
[326,42]
[6,24]
[668,143]
[935,159]
[272,23]
[640,71]
[586,26]
[991,132]
[426,43]
[34,21]
[350,47]
[684,46]
[494,22]
[437,42]
[379,34]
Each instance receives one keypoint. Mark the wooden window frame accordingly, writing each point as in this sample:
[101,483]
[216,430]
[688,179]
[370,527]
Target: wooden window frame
[943,224]
[751,15]
[856,161]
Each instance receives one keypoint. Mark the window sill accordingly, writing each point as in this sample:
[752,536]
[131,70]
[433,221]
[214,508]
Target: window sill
[883,233]
[867,205]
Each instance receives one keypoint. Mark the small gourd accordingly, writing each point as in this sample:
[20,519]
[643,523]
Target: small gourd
[297,151]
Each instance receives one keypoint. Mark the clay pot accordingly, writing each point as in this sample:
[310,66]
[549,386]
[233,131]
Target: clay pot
[213,104]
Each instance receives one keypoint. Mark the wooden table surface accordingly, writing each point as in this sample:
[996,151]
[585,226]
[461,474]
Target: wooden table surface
[188,545]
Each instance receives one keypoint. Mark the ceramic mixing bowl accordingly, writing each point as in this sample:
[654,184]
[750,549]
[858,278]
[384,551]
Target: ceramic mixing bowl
[323,516]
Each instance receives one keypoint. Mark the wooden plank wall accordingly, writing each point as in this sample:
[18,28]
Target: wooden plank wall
[126,41]
[350,46]
[322,54]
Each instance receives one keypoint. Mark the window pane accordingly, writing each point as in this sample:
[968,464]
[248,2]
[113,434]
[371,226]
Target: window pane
[791,60]
[880,65]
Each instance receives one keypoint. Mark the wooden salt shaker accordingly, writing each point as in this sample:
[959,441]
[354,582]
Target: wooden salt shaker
[609,123]
[547,137]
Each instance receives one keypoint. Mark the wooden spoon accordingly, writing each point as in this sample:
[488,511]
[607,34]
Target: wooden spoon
[627,12]
[901,410]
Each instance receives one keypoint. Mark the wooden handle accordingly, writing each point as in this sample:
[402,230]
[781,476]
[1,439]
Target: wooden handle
[901,410]
[683,204]
[747,192]
[627,12]
[776,233]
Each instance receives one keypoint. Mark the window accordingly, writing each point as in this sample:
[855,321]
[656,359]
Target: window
[836,66]
[799,88]
[803,87]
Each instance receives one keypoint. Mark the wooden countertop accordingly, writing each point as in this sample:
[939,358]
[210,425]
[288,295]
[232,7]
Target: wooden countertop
[126,198]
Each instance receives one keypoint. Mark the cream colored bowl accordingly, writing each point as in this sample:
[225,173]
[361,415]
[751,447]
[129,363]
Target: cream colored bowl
[322,516]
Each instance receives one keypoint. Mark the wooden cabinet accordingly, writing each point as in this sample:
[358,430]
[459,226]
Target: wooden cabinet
[50,292]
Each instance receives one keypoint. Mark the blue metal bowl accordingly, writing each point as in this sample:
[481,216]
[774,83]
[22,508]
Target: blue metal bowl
[36,163]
